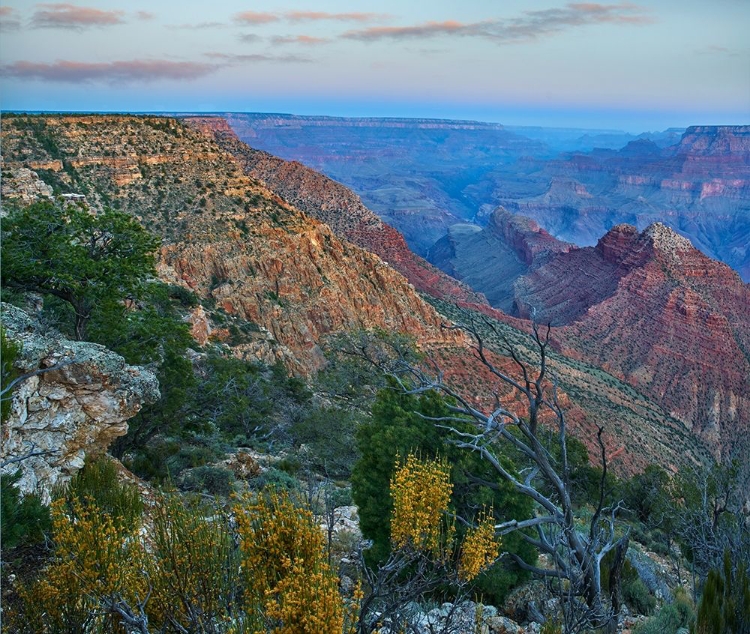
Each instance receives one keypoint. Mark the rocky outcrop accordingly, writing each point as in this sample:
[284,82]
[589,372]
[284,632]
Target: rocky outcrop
[76,405]
[493,259]
[23,185]
[651,309]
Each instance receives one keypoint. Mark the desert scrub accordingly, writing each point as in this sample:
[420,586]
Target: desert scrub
[480,548]
[421,491]
[194,567]
[97,484]
[95,559]
[288,581]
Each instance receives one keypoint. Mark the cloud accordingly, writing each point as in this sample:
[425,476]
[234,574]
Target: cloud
[70,16]
[249,37]
[718,50]
[315,16]
[264,17]
[230,60]
[198,26]
[529,25]
[306,40]
[137,70]
[256,17]
[9,20]
[145,15]
[428,29]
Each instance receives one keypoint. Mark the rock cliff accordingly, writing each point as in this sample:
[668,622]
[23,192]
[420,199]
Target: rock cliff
[647,307]
[410,172]
[77,404]
[338,207]
[700,187]
[492,259]
[651,309]
[225,234]
[231,233]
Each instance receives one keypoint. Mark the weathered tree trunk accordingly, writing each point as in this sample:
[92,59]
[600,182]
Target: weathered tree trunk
[615,575]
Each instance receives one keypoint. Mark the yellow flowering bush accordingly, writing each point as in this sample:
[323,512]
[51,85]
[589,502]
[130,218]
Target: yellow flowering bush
[94,558]
[480,548]
[194,567]
[288,580]
[187,572]
[421,491]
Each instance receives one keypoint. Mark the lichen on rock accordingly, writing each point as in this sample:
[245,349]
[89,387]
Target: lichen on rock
[77,405]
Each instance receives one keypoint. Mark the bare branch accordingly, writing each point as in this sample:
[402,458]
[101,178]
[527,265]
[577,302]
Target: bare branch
[9,388]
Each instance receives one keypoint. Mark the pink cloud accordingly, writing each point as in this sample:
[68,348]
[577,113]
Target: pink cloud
[198,26]
[428,29]
[256,17]
[265,17]
[228,60]
[70,16]
[66,71]
[314,16]
[8,19]
[306,40]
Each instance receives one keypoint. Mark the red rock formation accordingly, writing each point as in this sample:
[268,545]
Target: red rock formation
[227,236]
[651,309]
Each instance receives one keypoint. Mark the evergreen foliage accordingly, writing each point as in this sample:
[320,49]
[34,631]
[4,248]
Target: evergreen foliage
[87,260]
[8,353]
[97,484]
[671,617]
[724,607]
[24,519]
[400,425]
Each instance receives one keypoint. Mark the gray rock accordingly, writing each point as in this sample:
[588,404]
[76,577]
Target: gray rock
[78,405]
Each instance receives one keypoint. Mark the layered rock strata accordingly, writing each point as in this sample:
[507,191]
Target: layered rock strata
[225,234]
[338,207]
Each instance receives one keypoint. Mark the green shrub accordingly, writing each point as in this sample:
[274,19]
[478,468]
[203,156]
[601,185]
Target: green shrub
[275,479]
[209,479]
[670,617]
[724,607]
[97,483]
[8,353]
[328,434]
[24,520]
[638,597]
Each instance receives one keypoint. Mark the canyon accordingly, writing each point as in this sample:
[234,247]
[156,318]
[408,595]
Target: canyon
[298,257]
[424,176]
[647,307]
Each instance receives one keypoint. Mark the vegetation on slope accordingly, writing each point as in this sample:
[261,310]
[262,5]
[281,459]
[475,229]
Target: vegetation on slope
[213,404]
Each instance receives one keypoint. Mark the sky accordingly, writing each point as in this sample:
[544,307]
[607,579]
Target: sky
[632,66]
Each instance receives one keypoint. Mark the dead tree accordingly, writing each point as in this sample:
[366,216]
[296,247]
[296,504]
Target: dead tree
[575,552]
